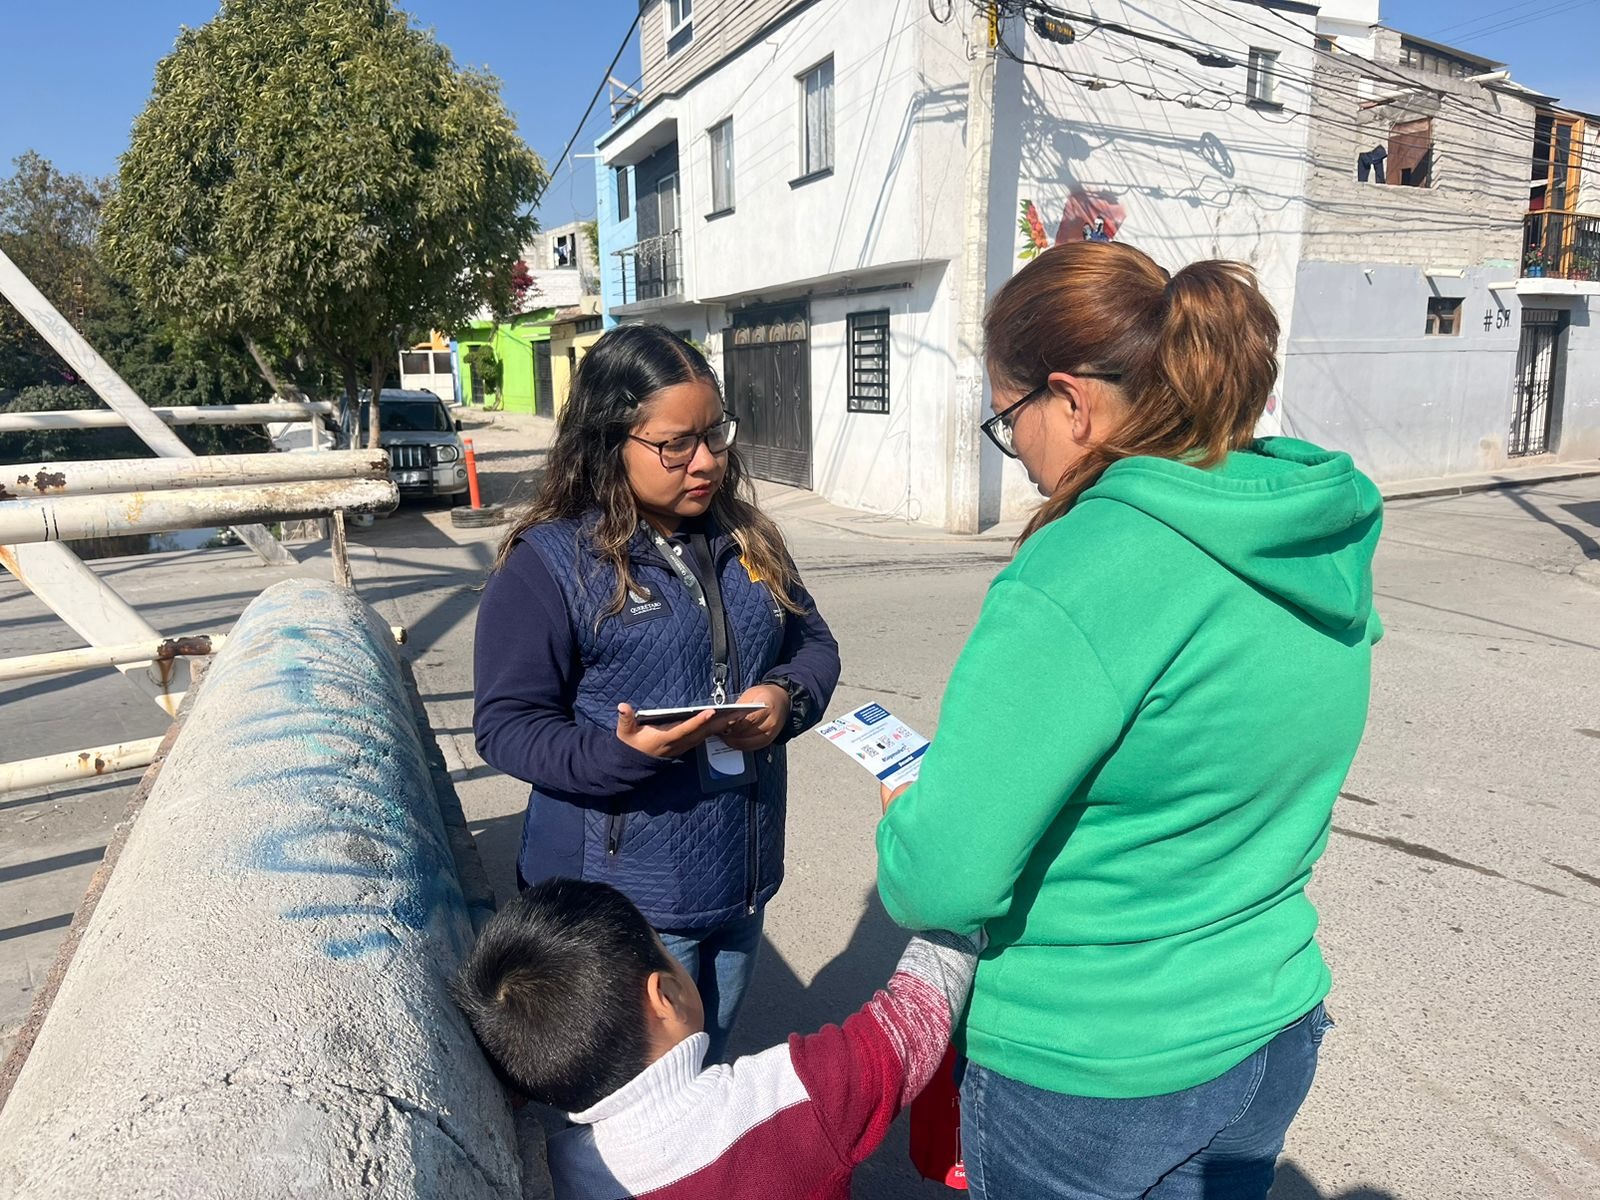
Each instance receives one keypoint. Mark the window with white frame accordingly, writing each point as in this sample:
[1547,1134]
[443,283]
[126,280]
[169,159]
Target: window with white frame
[1261,88]
[816,120]
[868,334]
[680,24]
[622,193]
[720,138]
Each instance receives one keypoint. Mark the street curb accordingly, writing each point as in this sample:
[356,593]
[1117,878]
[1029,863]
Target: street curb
[935,537]
[1442,488]
[1402,491]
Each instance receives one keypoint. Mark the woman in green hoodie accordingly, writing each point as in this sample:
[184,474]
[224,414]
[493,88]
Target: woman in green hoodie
[1140,746]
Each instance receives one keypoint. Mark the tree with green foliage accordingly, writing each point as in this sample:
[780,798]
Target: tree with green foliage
[318,173]
[486,369]
[49,222]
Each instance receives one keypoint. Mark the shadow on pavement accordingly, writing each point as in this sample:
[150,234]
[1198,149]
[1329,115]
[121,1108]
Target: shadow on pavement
[55,862]
[43,687]
[1292,1184]
[1583,541]
[498,841]
[59,921]
[442,697]
[50,795]
[780,1004]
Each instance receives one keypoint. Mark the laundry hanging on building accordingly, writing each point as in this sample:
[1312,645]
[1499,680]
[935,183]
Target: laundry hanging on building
[1371,164]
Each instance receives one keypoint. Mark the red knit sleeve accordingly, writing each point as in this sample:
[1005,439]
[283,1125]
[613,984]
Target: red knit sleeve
[861,1074]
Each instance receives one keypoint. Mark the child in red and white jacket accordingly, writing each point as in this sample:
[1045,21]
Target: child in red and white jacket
[579,1006]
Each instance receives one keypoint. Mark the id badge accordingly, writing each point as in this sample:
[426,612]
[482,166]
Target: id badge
[722,768]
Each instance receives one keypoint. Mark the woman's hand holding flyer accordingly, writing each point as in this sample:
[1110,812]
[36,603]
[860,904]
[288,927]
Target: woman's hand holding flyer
[880,742]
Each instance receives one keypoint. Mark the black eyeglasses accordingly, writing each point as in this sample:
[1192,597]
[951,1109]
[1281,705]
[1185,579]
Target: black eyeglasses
[998,427]
[677,453]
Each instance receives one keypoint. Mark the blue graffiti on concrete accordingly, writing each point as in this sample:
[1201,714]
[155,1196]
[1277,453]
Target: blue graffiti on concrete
[331,737]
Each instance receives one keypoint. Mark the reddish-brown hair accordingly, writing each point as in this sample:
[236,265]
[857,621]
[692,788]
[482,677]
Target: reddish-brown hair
[1196,352]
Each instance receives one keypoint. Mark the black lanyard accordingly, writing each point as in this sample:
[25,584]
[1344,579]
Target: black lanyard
[707,594]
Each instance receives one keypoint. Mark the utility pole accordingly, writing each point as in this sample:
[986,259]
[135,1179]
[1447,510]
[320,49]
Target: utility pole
[966,409]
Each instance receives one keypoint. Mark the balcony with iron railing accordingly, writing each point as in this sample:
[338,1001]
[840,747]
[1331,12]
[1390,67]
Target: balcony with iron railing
[1559,245]
[650,274]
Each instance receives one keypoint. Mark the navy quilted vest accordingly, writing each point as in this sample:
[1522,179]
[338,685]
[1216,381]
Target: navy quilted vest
[688,860]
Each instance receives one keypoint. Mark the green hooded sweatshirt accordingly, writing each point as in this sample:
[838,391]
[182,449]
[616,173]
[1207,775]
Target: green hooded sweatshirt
[1136,763]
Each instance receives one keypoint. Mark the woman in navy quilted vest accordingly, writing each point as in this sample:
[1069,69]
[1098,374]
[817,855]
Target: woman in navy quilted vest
[644,576]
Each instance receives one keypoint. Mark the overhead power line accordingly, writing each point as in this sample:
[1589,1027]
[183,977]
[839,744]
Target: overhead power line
[1513,166]
[593,100]
[1373,68]
[1482,17]
[1472,35]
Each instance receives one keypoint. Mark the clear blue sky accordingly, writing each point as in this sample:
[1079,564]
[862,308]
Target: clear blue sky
[78,71]
[88,66]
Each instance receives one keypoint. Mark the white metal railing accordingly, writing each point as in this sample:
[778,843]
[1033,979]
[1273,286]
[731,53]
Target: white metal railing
[61,662]
[74,518]
[81,764]
[81,500]
[42,505]
[208,414]
[95,371]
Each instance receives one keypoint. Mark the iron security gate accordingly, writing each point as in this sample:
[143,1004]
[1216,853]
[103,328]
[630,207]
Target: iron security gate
[544,388]
[1538,360]
[766,359]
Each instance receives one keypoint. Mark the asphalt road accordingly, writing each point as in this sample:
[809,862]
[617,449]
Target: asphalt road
[1460,892]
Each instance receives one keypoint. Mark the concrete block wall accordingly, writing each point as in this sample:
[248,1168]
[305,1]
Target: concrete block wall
[1483,147]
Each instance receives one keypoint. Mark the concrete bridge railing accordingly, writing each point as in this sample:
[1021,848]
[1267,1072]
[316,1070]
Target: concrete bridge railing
[257,1005]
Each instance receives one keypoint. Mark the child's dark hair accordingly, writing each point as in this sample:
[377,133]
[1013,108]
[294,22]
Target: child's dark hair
[555,992]
[584,471]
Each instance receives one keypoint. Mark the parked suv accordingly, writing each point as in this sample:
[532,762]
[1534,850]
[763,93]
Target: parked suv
[426,457]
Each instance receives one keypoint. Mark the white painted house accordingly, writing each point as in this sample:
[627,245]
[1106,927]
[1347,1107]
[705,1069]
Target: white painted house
[787,189]
[791,182]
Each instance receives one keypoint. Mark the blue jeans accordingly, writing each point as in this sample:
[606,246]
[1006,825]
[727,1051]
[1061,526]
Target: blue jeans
[721,962]
[1216,1141]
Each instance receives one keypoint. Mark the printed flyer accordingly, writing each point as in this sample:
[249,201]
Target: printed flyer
[880,742]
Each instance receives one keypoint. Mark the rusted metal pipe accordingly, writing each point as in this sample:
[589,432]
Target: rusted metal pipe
[34,480]
[63,662]
[94,610]
[188,414]
[84,764]
[125,404]
[72,517]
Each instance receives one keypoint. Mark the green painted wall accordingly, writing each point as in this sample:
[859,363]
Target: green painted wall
[513,343]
